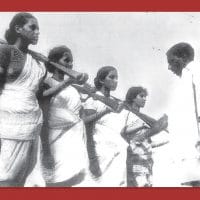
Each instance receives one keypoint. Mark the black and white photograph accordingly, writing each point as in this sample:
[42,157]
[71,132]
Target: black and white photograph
[99,99]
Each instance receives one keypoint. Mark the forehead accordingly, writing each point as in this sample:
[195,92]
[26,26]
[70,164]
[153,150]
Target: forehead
[143,94]
[67,54]
[112,73]
[173,58]
[32,21]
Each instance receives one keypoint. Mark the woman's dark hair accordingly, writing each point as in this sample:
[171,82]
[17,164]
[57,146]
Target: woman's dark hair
[181,50]
[56,54]
[101,75]
[133,92]
[18,20]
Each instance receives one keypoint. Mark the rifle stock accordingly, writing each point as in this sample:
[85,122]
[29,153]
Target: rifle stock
[147,119]
[91,91]
[80,77]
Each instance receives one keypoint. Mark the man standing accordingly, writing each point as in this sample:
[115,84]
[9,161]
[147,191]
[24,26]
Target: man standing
[183,117]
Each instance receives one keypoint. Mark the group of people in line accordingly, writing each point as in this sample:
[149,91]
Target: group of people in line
[52,135]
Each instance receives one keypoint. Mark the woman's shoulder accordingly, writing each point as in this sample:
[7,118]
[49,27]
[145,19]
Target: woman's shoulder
[9,53]
[70,92]
[94,104]
[4,54]
[5,48]
[8,48]
[132,117]
[12,51]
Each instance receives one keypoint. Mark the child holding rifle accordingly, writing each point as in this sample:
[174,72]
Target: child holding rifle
[138,135]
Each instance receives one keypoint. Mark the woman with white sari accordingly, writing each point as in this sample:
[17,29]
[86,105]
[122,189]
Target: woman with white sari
[65,149]
[20,116]
[106,147]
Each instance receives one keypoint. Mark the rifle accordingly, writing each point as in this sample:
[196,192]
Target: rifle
[80,77]
[114,103]
[91,91]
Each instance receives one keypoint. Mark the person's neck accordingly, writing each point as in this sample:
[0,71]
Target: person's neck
[58,76]
[105,91]
[23,47]
[135,107]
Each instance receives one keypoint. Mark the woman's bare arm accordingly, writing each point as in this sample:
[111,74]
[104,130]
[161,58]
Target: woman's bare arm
[56,88]
[90,115]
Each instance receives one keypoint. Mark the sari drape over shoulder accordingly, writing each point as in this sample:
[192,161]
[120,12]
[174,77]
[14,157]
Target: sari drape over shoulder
[20,115]
[66,136]
[20,123]
[110,147]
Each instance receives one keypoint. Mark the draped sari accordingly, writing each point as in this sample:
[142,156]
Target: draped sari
[20,122]
[109,147]
[66,138]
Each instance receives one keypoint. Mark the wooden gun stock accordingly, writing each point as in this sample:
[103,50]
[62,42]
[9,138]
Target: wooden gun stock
[80,77]
[147,119]
[91,91]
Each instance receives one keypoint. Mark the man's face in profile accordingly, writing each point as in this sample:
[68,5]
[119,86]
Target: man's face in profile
[175,64]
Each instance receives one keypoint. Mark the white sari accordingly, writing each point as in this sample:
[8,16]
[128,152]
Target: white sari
[110,147]
[66,136]
[20,120]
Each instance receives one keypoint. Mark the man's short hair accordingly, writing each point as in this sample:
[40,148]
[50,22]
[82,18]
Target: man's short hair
[181,50]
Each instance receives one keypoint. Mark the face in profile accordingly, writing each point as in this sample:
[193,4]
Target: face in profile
[66,60]
[111,80]
[30,31]
[176,65]
[140,100]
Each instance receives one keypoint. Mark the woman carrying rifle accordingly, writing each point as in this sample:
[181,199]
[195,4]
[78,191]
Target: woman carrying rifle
[20,115]
[63,134]
[106,148]
[138,135]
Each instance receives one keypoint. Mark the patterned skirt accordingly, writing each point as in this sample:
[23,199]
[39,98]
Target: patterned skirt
[139,169]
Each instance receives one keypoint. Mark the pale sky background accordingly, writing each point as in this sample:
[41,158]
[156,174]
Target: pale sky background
[134,42]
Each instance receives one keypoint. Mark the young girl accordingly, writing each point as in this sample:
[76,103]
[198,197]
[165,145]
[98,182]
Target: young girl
[20,115]
[137,133]
[106,148]
[66,131]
